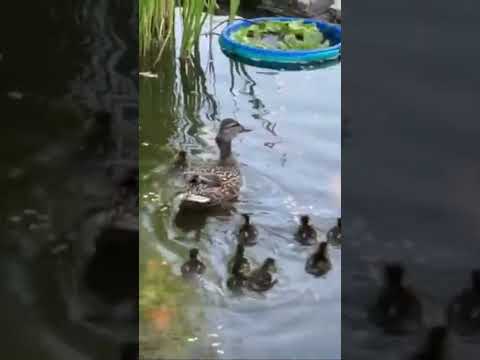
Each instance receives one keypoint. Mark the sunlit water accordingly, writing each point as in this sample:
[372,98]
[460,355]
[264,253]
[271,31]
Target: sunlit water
[291,166]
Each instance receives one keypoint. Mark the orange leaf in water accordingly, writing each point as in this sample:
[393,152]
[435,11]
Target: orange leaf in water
[161,318]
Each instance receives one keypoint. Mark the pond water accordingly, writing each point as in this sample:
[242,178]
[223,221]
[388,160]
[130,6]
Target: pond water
[291,165]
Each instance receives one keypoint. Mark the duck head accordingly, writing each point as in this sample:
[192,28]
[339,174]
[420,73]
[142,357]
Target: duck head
[194,179]
[269,265]
[193,253]
[304,220]
[322,251]
[393,274]
[182,155]
[229,129]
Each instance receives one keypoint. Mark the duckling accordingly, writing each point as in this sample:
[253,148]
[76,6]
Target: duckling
[180,162]
[463,313]
[193,266]
[248,233]
[334,235]
[237,281]
[319,263]
[306,233]
[435,347]
[260,280]
[397,309]
[239,261]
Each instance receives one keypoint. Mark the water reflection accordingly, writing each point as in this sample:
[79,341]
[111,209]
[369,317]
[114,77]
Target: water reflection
[61,192]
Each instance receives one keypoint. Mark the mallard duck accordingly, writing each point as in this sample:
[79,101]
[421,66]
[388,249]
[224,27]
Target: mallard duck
[334,235]
[219,184]
[463,313]
[261,280]
[319,263]
[247,234]
[397,309]
[306,233]
[193,265]
[239,262]
[435,347]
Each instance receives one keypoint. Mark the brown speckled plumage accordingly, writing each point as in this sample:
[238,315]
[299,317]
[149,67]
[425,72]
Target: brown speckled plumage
[219,184]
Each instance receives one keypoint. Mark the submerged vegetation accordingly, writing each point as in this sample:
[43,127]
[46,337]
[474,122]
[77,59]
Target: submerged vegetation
[157,22]
[162,300]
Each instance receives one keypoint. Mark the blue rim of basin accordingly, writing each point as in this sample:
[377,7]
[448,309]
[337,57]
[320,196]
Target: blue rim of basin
[279,58]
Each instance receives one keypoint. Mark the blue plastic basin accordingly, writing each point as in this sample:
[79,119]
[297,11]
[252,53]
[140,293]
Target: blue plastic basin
[272,58]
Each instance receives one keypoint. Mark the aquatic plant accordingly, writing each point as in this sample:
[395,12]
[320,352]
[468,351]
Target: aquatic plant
[282,35]
[157,21]
[193,17]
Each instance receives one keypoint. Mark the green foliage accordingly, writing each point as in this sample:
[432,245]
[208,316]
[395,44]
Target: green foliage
[157,20]
[293,35]
[194,17]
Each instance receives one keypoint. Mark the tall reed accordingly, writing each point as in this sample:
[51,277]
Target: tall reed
[194,16]
[157,18]
[234,5]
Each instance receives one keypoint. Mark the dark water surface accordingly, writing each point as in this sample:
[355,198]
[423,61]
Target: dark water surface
[291,166]
[410,173]
[61,67]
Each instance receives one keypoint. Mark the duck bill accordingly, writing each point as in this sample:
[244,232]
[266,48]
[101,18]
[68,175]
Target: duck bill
[244,129]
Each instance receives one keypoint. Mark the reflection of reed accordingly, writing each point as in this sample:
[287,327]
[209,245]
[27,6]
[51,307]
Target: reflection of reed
[260,110]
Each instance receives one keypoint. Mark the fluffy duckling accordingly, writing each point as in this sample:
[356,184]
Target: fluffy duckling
[180,162]
[463,313]
[248,232]
[239,262]
[193,265]
[397,309]
[306,233]
[261,280]
[334,235]
[237,281]
[319,263]
[435,347]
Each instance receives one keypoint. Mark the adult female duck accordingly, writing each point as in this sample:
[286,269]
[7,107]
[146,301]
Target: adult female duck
[219,184]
